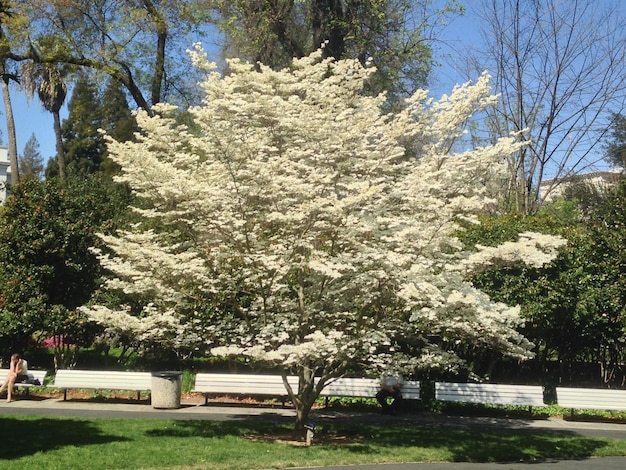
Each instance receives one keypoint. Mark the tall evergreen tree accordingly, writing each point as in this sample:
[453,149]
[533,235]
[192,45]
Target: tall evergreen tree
[616,147]
[117,119]
[83,143]
[31,161]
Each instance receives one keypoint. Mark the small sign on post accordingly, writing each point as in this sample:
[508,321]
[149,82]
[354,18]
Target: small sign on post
[310,432]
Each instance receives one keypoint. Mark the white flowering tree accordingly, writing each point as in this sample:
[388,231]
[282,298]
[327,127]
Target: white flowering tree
[321,229]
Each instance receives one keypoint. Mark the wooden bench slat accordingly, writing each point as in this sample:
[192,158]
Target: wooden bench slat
[66,379]
[366,388]
[243,384]
[272,385]
[591,399]
[38,374]
[493,394]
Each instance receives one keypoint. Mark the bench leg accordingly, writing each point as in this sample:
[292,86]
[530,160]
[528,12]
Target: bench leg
[64,394]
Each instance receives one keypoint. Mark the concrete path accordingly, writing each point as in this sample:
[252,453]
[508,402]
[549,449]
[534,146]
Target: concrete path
[198,411]
[606,463]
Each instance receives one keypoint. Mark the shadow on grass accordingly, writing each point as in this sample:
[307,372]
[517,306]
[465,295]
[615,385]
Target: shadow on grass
[461,445]
[27,436]
[503,445]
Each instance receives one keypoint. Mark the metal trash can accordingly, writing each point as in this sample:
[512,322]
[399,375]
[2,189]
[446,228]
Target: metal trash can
[166,389]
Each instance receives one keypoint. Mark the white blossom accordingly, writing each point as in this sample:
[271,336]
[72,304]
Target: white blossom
[320,228]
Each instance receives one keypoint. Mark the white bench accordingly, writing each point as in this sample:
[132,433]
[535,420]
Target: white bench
[37,374]
[490,394]
[243,384]
[272,385]
[591,399]
[66,379]
[366,388]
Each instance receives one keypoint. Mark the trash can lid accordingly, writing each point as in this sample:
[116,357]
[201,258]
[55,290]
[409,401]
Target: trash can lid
[167,374]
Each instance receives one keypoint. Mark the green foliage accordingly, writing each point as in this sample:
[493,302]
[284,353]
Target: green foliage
[615,147]
[31,161]
[574,308]
[392,35]
[91,111]
[116,118]
[84,146]
[138,43]
[48,270]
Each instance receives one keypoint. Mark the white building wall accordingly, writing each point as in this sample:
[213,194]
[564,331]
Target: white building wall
[5,173]
[601,180]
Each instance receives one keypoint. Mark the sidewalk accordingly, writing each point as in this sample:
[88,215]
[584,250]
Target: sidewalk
[194,411]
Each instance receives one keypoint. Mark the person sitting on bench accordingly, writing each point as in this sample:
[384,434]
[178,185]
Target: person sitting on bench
[18,372]
[390,387]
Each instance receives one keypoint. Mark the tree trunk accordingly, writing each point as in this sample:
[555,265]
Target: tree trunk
[329,26]
[303,399]
[12,139]
[303,405]
[160,24]
[59,144]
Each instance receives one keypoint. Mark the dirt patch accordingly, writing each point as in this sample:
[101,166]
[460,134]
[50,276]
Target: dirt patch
[121,396]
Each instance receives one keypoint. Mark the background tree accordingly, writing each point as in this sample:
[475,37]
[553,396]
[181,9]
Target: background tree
[393,35]
[48,81]
[574,307]
[7,16]
[142,54]
[117,119]
[558,67]
[89,112]
[547,296]
[615,148]
[46,231]
[83,143]
[603,298]
[322,244]
[31,161]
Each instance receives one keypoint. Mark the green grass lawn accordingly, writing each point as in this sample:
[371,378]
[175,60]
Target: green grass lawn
[29,442]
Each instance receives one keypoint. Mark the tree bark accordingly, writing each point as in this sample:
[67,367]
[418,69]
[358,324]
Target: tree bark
[12,138]
[329,26]
[303,402]
[159,65]
[309,389]
[59,144]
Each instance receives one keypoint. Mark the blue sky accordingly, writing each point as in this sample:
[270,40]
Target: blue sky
[30,117]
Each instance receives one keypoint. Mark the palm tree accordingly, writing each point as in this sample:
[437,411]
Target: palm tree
[5,77]
[47,80]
